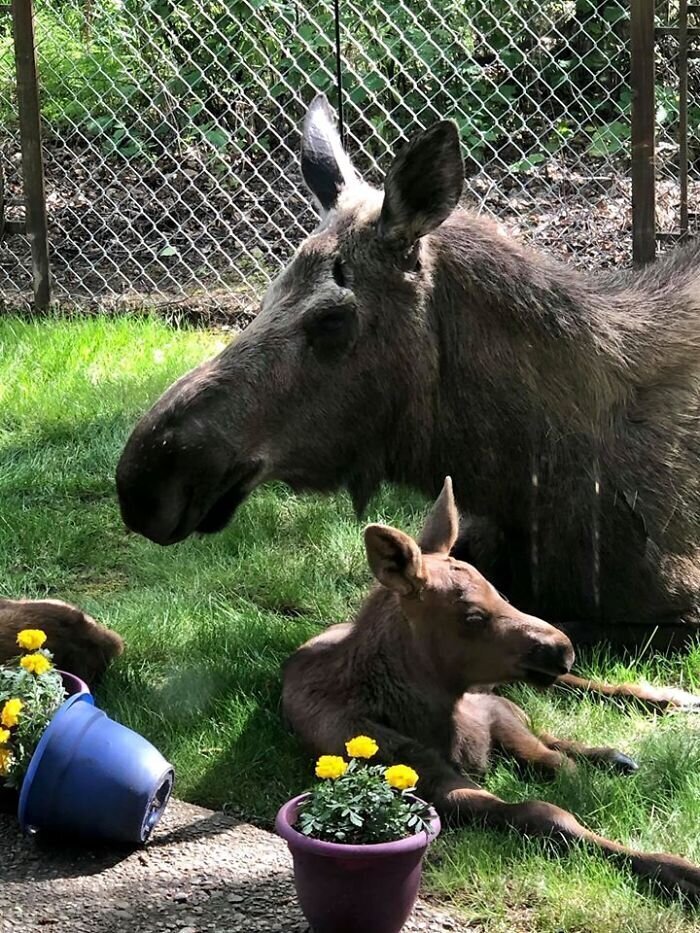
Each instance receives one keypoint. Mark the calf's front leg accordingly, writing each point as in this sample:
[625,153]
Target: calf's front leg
[461,802]
[511,731]
[601,755]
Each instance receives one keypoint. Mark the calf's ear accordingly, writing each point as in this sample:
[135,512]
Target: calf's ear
[423,185]
[325,165]
[442,524]
[395,559]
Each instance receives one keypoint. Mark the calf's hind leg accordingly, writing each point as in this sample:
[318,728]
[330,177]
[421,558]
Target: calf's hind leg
[460,802]
[327,734]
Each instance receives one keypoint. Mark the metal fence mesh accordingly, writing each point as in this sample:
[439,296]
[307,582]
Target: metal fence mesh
[171,129]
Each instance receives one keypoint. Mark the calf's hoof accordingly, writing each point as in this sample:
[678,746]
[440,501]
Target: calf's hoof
[623,763]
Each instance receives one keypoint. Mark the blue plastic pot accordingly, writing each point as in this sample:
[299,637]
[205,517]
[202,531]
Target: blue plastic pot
[91,776]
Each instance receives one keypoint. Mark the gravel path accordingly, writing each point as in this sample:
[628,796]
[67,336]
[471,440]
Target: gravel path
[202,871]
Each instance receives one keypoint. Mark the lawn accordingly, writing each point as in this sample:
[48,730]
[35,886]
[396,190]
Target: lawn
[209,621]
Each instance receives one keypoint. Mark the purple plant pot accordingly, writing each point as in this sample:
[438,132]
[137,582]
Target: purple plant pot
[73,684]
[354,888]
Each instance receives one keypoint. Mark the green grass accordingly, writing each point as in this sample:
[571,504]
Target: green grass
[209,621]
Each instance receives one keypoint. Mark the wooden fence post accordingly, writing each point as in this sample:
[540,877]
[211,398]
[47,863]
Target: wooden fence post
[643,132]
[32,160]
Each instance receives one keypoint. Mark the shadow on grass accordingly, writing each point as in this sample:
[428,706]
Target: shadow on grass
[265,755]
[110,430]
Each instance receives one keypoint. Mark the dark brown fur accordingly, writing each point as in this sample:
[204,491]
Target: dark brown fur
[406,340]
[79,645]
[400,673]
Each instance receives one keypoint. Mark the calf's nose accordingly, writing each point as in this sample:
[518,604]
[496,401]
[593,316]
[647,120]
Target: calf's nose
[553,657]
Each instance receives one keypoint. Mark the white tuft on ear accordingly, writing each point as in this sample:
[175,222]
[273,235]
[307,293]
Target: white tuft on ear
[325,165]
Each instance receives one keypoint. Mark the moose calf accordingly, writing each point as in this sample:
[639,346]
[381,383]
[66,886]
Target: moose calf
[78,643]
[405,671]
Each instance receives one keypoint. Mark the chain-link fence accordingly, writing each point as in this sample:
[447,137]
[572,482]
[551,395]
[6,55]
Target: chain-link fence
[172,129]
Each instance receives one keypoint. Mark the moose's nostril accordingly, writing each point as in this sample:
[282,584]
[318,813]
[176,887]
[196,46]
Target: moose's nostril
[552,659]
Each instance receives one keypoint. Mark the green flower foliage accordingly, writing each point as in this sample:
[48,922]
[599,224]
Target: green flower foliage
[41,696]
[360,808]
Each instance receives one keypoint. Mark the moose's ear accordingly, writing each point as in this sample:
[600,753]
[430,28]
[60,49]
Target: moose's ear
[325,165]
[395,559]
[423,185]
[442,524]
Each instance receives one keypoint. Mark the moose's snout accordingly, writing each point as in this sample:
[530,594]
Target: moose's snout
[172,483]
[152,503]
[550,655]
[552,658]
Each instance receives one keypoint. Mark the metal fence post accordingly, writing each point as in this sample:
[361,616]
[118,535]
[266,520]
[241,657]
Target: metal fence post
[683,113]
[643,132]
[339,71]
[32,161]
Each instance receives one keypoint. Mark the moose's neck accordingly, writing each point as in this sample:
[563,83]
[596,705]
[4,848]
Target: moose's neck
[527,349]
[524,331]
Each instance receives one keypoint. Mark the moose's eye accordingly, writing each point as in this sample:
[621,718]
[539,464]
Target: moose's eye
[339,273]
[331,331]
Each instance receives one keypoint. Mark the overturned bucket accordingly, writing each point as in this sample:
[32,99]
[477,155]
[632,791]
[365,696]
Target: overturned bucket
[91,776]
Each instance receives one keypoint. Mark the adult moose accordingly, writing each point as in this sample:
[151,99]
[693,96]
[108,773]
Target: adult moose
[432,630]
[407,339]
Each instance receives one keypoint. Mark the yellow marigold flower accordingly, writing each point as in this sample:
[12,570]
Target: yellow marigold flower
[401,777]
[10,712]
[6,760]
[4,736]
[362,747]
[36,664]
[331,766]
[31,638]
